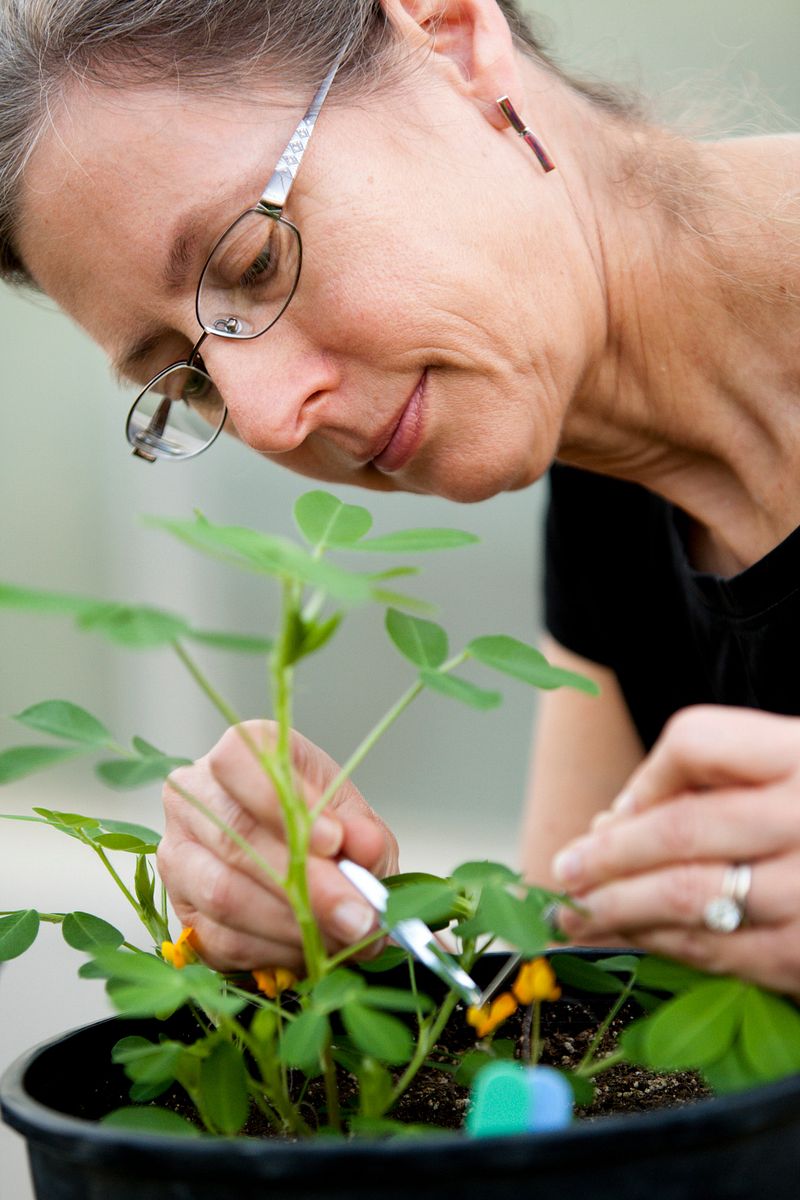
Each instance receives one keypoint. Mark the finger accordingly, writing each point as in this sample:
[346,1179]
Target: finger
[725,825]
[768,956]
[677,897]
[202,882]
[710,746]
[225,949]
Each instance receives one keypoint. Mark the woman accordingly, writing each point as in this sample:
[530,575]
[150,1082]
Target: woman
[466,315]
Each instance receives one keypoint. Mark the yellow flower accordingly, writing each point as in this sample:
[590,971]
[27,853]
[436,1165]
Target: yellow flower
[536,981]
[182,951]
[485,1020]
[274,980]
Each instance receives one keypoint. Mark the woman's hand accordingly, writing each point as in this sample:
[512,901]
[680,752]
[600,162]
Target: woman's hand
[720,787]
[240,918]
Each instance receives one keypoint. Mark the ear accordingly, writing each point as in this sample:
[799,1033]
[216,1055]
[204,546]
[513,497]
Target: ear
[472,37]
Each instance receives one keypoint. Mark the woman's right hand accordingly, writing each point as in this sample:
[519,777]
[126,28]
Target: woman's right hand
[242,920]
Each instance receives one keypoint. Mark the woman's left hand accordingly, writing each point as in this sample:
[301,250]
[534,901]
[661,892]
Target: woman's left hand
[720,787]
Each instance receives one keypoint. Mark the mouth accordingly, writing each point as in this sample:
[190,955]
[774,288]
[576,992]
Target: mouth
[404,438]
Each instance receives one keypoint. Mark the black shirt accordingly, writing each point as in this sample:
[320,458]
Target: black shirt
[620,591]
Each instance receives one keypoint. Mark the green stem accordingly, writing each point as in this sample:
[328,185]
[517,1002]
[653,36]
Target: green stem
[602,1028]
[429,1036]
[208,688]
[377,732]
[125,891]
[361,751]
[602,1064]
[350,951]
[235,837]
[536,1033]
[331,1090]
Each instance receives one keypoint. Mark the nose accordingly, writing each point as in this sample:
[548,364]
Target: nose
[277,389]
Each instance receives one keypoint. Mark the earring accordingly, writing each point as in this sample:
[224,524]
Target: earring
[517,124]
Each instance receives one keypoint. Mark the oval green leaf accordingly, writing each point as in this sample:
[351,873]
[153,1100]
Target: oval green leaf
[696,1028]
[378,1034]
[84,931]
[524,662]
[18,933]
[21,761]
[461,690]
[422,642]
[135,626]
[63,719]
[304,1041]
[239,643]
[149,1119]
[770,1035]
[223,1089]
[414,541]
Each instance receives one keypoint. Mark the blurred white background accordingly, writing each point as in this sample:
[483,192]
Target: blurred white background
[448,780]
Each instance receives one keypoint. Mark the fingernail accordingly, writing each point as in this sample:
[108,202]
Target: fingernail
[326,836]
[568,865]
[352,921]
[624,803]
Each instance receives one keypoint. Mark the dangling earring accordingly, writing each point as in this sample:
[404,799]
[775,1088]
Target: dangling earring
[517,124]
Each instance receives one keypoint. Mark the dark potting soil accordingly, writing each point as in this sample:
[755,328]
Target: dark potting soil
[567,1028]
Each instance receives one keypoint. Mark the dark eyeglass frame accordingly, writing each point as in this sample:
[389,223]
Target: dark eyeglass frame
[271,204]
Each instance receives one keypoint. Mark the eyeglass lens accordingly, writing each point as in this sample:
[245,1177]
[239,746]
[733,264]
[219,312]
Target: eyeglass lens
[177,416]
[250,276]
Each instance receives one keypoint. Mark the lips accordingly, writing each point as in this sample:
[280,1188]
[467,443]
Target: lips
[406,435]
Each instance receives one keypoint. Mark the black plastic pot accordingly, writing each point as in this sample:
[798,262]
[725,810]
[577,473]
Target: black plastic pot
[732,1148]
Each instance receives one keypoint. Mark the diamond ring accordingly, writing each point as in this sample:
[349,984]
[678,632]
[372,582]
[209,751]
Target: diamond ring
[726,911]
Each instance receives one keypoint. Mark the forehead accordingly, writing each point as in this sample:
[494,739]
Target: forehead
[117,173]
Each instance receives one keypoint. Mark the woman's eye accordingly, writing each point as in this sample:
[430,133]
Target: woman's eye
[260,270]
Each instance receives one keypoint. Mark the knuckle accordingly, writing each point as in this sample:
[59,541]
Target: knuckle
[684,894]
[678,831]
[687,731]
[216,891]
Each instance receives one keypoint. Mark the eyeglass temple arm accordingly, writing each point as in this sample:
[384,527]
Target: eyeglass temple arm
[277,190]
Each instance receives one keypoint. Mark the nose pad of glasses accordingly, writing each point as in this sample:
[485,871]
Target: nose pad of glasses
[229,325]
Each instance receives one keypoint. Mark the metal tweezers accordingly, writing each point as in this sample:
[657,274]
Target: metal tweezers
[413,935]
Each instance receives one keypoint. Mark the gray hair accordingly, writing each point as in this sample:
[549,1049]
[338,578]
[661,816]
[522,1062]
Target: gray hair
[45,45]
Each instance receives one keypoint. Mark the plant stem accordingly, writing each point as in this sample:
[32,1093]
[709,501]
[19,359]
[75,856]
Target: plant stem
[586,1061]
[236,837]
[361,751]
[428,1039]
[331,1090]
[207,687]
[601,1064]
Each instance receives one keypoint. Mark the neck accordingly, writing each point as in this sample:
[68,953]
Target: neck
[695,391]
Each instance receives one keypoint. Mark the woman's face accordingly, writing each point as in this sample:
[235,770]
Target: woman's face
[444,315]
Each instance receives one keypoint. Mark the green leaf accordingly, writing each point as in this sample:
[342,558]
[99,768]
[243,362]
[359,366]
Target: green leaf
[126,842]
[144,882]
[395,999]
[583,1090]
[431,902]
[18,933]
[422,642]
[326,521]
[770,1035]
[149,1119]
[138,831]
[476,874]
[460,689]
[151,1063]
[266,555]
[663,975]
[414,541]
[375,1086]
[239,643]
[387,960]
[377,1033]
[20,761]
[135,626]
[39,600]
[304,1041]
[627,964]
[132,773]
[318,633]
[83,931]
[337,989]
[67,820]
[518,921]
[521,661]
[223,1088]
[66,720]
[585,976]
[731,1073]
[696,1028]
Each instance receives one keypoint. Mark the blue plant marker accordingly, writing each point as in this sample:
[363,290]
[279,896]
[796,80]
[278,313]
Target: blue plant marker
[509,1098]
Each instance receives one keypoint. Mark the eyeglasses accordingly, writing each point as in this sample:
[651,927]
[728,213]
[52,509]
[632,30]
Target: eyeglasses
[245,287]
